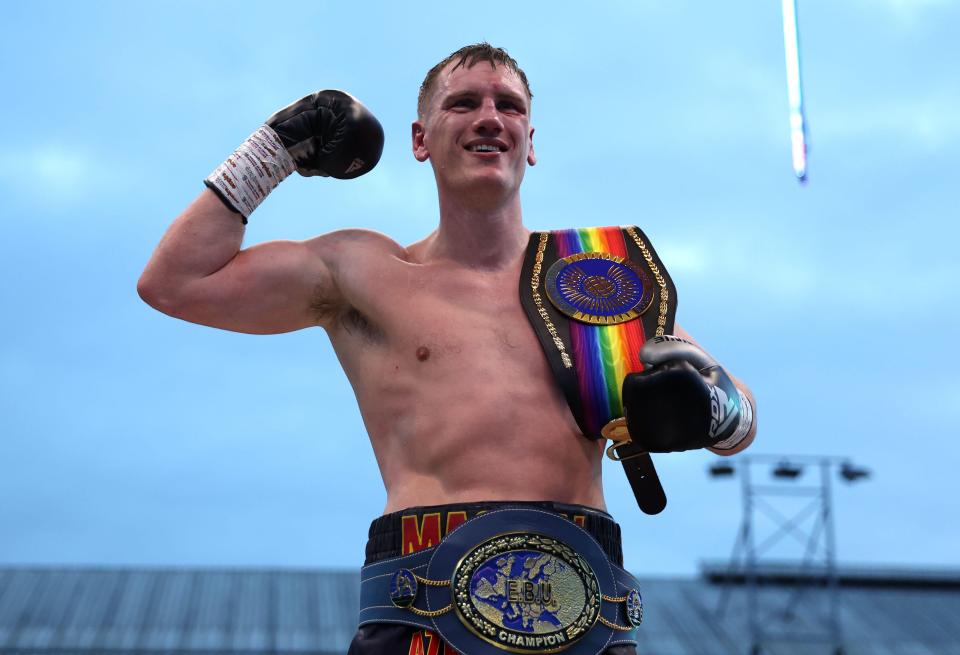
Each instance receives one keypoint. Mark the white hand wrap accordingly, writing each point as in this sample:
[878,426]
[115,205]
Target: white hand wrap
[253,171]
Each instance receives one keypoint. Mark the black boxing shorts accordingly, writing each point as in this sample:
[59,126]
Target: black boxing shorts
[495,578]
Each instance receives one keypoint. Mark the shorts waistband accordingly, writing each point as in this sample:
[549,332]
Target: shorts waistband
[416,528]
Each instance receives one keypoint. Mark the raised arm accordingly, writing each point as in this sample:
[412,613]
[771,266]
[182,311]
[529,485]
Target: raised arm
[200,274]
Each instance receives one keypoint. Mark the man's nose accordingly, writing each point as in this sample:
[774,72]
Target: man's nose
[488,118]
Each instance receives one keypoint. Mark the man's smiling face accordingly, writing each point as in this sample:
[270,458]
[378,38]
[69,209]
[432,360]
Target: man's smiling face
[476,129]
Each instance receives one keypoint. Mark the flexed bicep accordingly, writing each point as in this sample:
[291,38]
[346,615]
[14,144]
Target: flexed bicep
[270,288]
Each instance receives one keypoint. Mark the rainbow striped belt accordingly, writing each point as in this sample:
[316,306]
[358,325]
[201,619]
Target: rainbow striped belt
[594,296]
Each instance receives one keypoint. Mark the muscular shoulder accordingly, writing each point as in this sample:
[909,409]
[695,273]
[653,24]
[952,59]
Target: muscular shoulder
[341,246]
[355,259]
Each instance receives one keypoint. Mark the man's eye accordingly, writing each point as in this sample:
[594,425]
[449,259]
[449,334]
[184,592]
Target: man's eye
[509,105]
[464,102]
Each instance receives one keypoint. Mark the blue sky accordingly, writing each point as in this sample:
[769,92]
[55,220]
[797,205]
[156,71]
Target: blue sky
[127,437]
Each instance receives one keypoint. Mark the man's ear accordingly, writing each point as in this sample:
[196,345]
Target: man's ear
[531,156]
[419,147]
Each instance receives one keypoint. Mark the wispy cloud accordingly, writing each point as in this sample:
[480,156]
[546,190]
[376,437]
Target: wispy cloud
[54,173]
[733,100]
[929,120]
[909,11]
[797,273]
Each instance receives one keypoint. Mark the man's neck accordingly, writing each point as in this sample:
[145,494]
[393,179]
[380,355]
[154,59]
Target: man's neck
[479,235]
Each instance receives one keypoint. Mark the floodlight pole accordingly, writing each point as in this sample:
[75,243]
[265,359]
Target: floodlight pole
[831,555]
[817,564]
[748,541]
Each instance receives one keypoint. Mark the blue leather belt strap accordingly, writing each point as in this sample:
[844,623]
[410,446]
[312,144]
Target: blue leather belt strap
[511,580]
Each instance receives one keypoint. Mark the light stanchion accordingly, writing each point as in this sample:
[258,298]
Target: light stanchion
[798,508]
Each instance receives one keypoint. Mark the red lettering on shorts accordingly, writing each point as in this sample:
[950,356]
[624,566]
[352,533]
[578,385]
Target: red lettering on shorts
[416,644]
[418,536]
[454,521]
[425,642]
[433,642]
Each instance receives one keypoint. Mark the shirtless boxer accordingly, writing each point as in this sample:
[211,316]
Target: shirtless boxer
[448,374]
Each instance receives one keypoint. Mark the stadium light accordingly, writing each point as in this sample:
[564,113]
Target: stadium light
[787,471]
[851,473]
[721,470]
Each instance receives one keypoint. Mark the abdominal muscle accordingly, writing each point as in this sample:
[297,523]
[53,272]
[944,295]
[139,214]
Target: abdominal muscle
[487,450]
[455,391]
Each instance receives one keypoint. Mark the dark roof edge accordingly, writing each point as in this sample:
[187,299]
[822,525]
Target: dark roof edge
[899,577]
[169,568]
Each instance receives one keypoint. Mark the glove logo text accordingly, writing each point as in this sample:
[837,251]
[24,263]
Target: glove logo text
[723,410]
[355,165]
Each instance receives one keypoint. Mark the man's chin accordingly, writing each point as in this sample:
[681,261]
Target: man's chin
[491,181]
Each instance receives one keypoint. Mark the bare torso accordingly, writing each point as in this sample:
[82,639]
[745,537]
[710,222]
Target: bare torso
[452,384]
[454,389]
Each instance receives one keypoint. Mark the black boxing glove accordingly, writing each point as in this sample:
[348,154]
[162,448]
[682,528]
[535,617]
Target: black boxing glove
[327,133]
[683,400]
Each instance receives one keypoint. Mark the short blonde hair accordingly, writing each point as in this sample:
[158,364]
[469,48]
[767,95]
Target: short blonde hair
[468,56]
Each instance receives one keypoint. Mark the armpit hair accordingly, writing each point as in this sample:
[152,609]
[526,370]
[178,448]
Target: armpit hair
[356,323]
[327,312]
[321,308]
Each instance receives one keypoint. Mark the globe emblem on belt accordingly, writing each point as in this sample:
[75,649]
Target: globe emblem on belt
[599,288]
[526,593]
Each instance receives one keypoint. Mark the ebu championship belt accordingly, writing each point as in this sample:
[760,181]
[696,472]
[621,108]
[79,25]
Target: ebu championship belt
[515,580]
[594,296]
